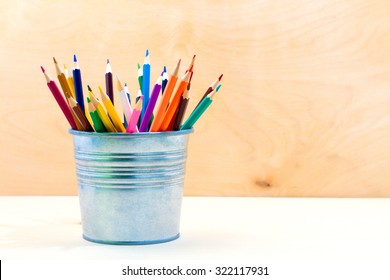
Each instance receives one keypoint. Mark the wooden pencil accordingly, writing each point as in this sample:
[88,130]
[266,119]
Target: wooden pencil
[97,123]
[132,126]
[145,83]
[125,87]
[62,79]
[108,79]
[210,89]
[78,85]
[140,76]
[164,80]
[85,125]
[165,99]
[112,111]
[169,114]
[125,100]
[182,110]
[69,78]
[191,70]
[152,102]
[66,90]
[60,99]
[109,126]
[197,113]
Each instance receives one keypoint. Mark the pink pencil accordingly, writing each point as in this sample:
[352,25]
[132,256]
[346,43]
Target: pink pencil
[60,99]
[132,126]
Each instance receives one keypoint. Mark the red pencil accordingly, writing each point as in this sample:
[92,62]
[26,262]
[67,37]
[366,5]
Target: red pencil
[60,99]
[210,89]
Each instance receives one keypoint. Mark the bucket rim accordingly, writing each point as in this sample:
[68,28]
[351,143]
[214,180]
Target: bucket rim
[130,135]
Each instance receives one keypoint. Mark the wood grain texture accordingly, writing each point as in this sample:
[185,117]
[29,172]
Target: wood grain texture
[303,111]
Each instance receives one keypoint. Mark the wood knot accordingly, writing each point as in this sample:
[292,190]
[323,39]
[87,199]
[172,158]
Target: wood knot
[263,184]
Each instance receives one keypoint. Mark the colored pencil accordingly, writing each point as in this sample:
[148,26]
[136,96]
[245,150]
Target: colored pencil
[125,100]
[145,83]
[191,70]
[70,81]
[97,123]
[197,113]
[78,85]
[150,107]
[132,126]
[109,85]
[127,92]
[169,114]
[164,80]
[66,90]
[210,89]
[182,110]
[112,112]
[62,79]
[85,125]
[165,100]
[101,112]
[140,76]
[60,99]
[139,95]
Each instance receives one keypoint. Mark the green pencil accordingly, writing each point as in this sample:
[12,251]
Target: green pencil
[197,113]
[140,76]
[97,123]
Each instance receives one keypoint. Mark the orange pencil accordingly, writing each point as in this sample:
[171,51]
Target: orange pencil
[165,100]
[174,102]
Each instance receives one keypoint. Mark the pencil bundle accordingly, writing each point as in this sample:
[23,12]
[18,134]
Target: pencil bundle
[157,108]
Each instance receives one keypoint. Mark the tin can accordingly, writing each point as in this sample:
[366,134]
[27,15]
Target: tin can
[130,185]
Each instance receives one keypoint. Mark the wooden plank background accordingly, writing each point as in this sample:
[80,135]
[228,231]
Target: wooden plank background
[304,109]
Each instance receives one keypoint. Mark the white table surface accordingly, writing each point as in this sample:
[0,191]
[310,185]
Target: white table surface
[211,229]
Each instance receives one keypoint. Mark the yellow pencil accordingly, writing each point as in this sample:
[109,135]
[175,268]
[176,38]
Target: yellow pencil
[111,111]
[101,112]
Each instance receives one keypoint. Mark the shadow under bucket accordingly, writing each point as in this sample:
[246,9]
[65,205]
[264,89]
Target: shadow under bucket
[130,185]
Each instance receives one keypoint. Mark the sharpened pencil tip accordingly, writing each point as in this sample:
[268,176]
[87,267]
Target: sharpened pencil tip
[88,100]
[108,61]
[89,88]
[139,66]
[220,77]
[43,69]
[165,69]
[74,58]
[217,88]
[54,59]
[125,85]
[194,56]
[178,64]
[147,52]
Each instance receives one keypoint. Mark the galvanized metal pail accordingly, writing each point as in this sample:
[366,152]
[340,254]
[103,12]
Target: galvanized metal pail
[130,185]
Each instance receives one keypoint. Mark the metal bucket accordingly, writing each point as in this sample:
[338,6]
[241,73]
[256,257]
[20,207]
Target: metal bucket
[130,185]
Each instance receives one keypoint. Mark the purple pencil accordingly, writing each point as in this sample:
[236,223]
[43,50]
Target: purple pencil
[151,104]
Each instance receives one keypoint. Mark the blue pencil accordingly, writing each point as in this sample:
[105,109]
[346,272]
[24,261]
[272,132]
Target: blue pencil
[165,80]
[145,83]
[78,85]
